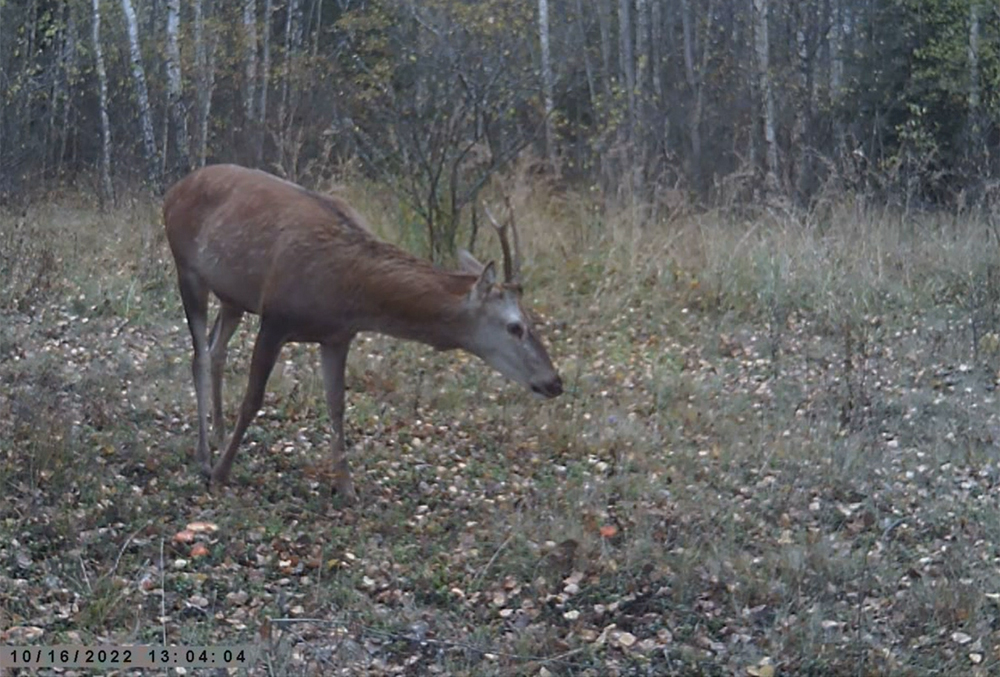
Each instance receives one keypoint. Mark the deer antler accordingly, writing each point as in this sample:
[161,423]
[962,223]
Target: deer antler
[511,263]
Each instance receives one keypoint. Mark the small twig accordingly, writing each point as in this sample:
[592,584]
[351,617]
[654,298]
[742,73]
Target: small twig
[86,578]
[121,551]
[482,572]
[163,596]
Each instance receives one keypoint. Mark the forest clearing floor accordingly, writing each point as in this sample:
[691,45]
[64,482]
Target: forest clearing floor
[778,453]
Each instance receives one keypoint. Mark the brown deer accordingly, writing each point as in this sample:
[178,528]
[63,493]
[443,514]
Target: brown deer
[307,264]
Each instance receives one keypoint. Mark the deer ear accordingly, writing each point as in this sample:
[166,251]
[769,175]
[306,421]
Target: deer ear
[468,263]
[485,283]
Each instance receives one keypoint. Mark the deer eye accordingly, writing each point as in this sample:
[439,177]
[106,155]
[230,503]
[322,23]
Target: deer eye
[516,329]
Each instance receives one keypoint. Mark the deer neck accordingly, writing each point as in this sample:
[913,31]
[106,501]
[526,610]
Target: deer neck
[425,305]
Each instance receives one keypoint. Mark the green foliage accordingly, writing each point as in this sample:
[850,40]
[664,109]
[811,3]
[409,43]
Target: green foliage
[911,86]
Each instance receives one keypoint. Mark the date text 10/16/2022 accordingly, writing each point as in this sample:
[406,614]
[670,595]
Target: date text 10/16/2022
[138,656]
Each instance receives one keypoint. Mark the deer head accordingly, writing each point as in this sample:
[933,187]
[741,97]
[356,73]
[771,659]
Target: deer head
[504,336]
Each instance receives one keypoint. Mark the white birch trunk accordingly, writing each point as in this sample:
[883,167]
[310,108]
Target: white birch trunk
[107,190]
[142,96]
[974,86]
[175,103]
[265,81]
[626,56]
[762,50]
[284,121]
[836,42]
[657,49]
[604,23]
[588,67]
[642,57]
[249,61]
[547,81]
[693,81]
[204,50]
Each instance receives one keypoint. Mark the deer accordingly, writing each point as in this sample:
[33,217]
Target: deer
[311,269]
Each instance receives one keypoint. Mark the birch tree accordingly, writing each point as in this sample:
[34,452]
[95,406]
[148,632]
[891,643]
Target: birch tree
[292,41]
[547,81]
[693,77]
[766,91]
[249,61]
[204,55]
[626,58]
[175,103]
[973,58]
[142,98]
[265,83]
[107,190]
[603,12]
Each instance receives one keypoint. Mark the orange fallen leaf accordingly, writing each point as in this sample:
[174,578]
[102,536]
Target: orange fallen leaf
[608,530]
[184,536]
[199,550]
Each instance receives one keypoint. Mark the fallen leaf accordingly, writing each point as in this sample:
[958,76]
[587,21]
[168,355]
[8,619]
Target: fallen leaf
[184,536]
[626,639]
[199,550]
[961,637]
[608,530]
[21,634]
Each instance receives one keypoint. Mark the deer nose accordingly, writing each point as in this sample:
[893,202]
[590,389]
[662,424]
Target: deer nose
[552,388]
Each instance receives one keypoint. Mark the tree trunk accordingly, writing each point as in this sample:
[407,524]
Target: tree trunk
[808,15]
[265,81]
[205,66]
[766,90]
[974,86]
[694,85]
[640,124]
[626,57]
[71,74]
[657,50]
[285,150]
[142,96]
[107,190]
[547,82]
[604,23]
[588,67]
[175,103]
[250,66]
[642,49]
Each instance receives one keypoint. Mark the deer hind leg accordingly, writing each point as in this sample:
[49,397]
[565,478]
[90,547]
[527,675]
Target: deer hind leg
[225,325]
[268,345]
[194,295]
[334,361]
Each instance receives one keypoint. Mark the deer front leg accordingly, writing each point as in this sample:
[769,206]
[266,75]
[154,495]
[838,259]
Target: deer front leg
[334,361]
[265,353]
[225,325]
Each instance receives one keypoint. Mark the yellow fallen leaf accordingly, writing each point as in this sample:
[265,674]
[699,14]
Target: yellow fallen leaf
[626,639]
[203,527]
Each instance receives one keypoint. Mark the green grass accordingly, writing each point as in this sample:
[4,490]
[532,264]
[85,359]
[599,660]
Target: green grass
[778,441]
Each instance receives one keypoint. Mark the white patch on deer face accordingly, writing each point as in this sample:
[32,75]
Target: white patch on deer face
[504,339]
